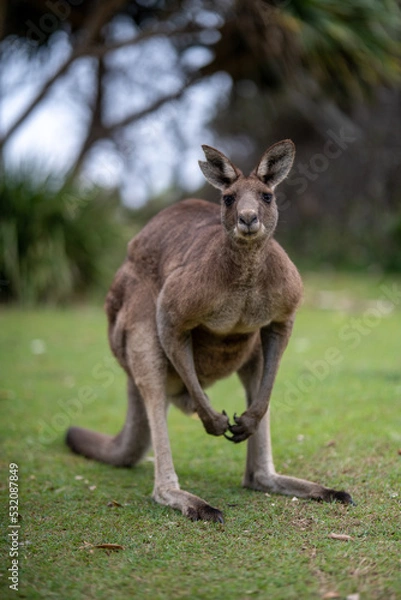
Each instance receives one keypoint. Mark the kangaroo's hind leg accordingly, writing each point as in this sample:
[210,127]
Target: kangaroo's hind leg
[149,366]
[124,449]
[260,473]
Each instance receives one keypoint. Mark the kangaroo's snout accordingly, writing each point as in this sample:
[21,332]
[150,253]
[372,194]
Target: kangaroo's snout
[248,222]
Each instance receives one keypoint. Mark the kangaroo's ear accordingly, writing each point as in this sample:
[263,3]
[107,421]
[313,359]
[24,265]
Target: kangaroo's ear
[218,169]
[276,163]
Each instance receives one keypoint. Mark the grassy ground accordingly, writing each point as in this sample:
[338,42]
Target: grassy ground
[336,419]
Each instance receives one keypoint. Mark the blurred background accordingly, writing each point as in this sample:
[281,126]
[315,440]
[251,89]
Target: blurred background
[105,104]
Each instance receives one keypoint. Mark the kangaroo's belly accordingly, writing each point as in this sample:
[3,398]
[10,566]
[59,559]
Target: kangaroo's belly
[217,356]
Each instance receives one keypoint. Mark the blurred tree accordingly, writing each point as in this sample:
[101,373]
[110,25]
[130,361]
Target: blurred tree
[342,48]
[49,249]
[318,50]
[294,68]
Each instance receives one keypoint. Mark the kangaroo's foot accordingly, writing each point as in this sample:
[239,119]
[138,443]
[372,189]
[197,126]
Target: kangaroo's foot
[292,486]
[190,505]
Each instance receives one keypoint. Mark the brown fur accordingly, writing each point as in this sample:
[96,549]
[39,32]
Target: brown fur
[205,292]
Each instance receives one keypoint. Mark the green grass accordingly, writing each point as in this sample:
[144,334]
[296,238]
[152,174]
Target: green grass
[340,426]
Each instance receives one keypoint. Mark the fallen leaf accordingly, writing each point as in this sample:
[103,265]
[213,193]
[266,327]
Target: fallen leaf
[331,443]
[343,537]
[92,488]
[104,546]
[353,597]
[78,477]
[331,595]
[110,546]
[114,503]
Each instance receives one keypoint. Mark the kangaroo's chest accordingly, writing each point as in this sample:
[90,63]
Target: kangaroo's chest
[240,312]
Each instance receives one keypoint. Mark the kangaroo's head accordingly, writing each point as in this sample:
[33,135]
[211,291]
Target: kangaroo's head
[248,206]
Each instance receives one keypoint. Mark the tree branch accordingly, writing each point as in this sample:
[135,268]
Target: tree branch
[96,51]
[162,31]
[95,129]
[98,130]
[135,116]
[102,12]
[39,96]
[97,18]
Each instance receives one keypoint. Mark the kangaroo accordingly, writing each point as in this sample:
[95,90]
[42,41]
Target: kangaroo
[205,291]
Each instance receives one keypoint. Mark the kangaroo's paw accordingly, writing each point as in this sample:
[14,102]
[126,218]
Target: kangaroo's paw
[217,424]
[243,428]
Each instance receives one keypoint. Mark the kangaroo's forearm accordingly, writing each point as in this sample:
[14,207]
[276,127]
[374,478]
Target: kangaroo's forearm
[274,342]
[178,348]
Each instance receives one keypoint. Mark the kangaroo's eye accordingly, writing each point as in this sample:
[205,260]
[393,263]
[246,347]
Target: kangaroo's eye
[267,197]
[229,199]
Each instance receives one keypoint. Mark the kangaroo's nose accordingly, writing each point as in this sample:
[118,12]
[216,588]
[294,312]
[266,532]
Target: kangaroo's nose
[248,222]
[249,218]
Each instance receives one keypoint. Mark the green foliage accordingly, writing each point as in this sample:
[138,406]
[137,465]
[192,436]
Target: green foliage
[54,244]
[368,243]
[348,48]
